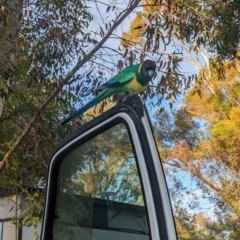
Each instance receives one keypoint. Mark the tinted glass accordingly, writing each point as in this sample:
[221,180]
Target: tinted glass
[99,193]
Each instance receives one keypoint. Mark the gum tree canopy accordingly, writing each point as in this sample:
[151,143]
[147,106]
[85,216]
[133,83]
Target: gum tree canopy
[58,51]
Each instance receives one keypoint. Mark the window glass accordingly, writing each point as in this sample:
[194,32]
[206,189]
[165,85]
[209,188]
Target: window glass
[99,194]
[9,231]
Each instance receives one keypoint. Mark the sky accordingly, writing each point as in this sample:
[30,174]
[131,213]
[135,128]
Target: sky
[203,205]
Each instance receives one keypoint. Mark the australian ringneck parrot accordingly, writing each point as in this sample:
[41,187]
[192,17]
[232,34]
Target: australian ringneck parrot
[132,79]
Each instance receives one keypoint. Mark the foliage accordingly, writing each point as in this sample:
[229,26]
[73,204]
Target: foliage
[195,23]
[202,138]
[197,227]
[100,165]
[65,49]
[184,33]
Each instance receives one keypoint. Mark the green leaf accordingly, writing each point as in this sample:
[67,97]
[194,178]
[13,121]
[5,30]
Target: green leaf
[108,8]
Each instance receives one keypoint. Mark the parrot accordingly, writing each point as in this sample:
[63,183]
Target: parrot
[132,79]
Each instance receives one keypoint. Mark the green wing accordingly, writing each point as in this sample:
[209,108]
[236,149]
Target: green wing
[123,77]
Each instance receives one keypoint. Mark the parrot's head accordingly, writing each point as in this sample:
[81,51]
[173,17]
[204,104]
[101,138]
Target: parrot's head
[147,69]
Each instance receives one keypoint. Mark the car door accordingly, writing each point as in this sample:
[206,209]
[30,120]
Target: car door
[105,181]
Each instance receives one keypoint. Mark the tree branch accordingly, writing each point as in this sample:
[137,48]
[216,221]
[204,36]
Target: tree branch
[78,65]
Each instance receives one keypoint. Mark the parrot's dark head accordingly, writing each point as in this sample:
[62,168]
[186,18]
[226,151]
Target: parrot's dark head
[147,69]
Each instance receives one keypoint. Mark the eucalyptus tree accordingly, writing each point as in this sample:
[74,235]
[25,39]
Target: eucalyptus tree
[202,139]
[65,49]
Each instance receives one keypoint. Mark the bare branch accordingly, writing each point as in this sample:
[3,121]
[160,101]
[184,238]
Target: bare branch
[78,65]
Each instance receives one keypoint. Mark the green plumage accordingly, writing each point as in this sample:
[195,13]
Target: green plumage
[134,78]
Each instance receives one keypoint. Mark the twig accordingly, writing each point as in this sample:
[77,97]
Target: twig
[78,65]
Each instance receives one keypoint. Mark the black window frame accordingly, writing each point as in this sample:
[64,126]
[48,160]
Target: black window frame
[135,109]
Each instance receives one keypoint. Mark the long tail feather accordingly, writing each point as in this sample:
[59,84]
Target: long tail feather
[102,95]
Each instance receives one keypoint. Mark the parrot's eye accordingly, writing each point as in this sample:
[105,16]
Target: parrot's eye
[150,73]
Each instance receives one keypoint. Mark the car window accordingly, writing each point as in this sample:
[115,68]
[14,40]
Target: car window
[99,192]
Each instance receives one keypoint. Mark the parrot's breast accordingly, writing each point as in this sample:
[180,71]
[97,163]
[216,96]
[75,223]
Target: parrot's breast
[135,86]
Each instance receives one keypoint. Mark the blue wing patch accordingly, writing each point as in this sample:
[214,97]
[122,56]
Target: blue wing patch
[113,84]
[122,78]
